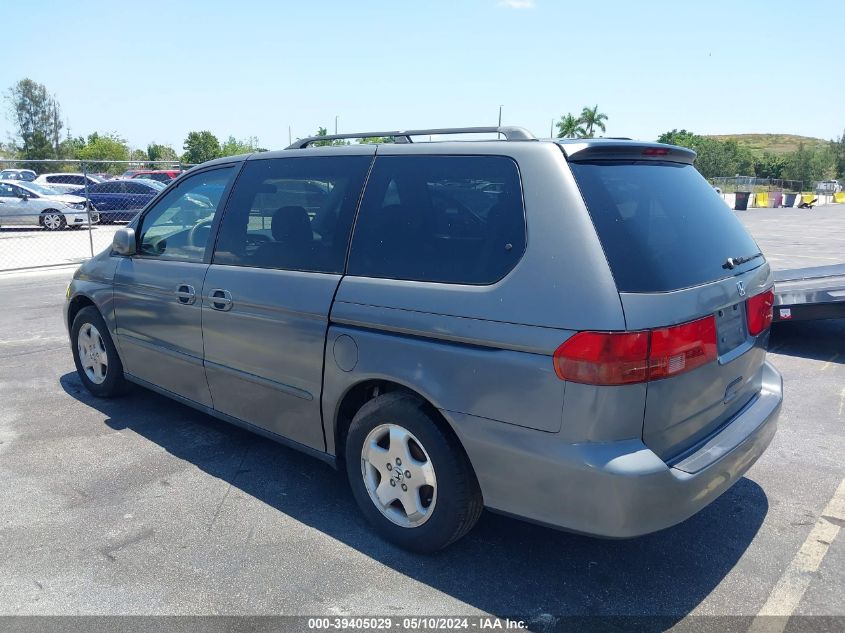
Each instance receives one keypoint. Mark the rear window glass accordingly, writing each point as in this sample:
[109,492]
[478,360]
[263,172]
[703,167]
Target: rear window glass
[450,219]
[662,226]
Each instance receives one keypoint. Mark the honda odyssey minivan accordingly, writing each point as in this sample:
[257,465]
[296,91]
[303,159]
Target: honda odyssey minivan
[571,332]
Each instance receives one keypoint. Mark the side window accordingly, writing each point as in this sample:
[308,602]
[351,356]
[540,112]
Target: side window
[292,213]
[449,219]
[6,191]
[76,180]
[55,179]
[179,225]
[134,187]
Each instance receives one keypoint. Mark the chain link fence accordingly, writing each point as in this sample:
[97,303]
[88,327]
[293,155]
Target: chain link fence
[753,184]
[55,212]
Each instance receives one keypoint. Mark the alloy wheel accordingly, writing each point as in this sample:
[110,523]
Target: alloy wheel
[398,475]
[53,221]
[92,353]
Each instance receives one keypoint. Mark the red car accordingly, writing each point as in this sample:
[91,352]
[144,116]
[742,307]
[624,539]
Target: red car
[162,175]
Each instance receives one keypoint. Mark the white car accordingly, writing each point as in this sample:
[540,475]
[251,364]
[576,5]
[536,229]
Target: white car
[28,203]
[66,183]
[18,174]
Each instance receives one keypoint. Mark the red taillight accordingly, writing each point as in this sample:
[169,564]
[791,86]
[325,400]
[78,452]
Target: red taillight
[682,348]
[603,358]
[620,358]
[759,312]
[655,151]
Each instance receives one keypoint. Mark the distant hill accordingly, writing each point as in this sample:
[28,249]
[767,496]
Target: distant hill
[775,143]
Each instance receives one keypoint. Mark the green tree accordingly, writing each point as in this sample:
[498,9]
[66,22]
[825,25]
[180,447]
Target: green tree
[70,147]
[375,140]
[570,127]
[104,147]
[161,152]
[769,165]
[200,147]
[233,147]
[37,119]
[322,132]
[678,137]
[591,119]
[837,147]
[138,155]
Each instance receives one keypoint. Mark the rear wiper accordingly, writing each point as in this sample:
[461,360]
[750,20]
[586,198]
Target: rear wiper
[733,262]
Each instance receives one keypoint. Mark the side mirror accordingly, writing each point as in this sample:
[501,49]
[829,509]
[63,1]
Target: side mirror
[123,242]
[23,196]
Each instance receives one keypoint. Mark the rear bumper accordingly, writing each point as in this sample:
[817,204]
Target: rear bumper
[615,489]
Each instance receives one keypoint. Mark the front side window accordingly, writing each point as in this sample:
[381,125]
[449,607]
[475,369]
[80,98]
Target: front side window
[178,227]
[292,213]
[7,191]
[450,219]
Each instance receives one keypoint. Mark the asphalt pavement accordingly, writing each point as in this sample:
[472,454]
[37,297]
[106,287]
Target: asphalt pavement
[799,238]
[144,506]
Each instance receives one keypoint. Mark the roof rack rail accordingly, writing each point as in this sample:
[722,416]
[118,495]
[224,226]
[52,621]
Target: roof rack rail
[511,133]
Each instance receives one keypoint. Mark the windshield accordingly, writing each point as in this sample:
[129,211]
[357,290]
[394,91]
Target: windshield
[42,190]
[155,184]
[662,226]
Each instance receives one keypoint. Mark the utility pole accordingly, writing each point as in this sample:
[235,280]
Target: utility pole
[552,129]
[335,124]
[290,140]
[500,116]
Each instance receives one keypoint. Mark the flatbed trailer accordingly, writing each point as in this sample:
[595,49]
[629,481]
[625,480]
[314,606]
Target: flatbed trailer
[803,294]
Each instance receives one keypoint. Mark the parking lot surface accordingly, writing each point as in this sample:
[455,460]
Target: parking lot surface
[799,238]
[144,506]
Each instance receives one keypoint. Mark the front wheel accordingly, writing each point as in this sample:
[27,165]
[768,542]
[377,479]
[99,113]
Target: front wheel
[410,478]
[95,355]
[53,220]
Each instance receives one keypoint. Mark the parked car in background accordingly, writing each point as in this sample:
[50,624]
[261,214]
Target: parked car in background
[162,175]
[67,183]
[120,200]
[581,342]
[18,174]
[28,203]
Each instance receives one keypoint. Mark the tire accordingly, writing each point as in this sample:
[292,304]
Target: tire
[104,380]
[443,512]
[52,220]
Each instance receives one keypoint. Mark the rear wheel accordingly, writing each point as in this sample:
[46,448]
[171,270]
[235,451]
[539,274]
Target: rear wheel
[52,220]
[411,479]
[95,355]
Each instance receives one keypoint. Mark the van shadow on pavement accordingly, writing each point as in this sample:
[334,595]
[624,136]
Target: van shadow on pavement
[504,566]
[818,340]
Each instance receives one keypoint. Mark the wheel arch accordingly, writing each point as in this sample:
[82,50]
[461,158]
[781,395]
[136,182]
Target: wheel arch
[361,392]
[76,304]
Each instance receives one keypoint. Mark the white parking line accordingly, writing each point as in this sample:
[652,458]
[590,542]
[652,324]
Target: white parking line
[841,400]
[829,361]
[787,593]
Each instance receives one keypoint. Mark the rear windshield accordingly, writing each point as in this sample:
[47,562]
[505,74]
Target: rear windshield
[662,226]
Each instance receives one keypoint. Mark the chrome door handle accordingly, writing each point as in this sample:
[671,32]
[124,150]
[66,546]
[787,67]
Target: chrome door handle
[220,299]
[186,294]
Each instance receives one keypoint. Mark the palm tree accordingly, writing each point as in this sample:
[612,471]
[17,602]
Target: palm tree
[570,127]
[591,118]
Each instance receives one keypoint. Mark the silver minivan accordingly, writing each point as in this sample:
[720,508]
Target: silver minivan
[570,332]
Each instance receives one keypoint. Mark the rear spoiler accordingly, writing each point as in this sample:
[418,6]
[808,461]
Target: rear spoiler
[613,149]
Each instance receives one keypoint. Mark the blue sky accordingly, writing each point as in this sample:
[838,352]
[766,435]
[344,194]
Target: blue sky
[154,71]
